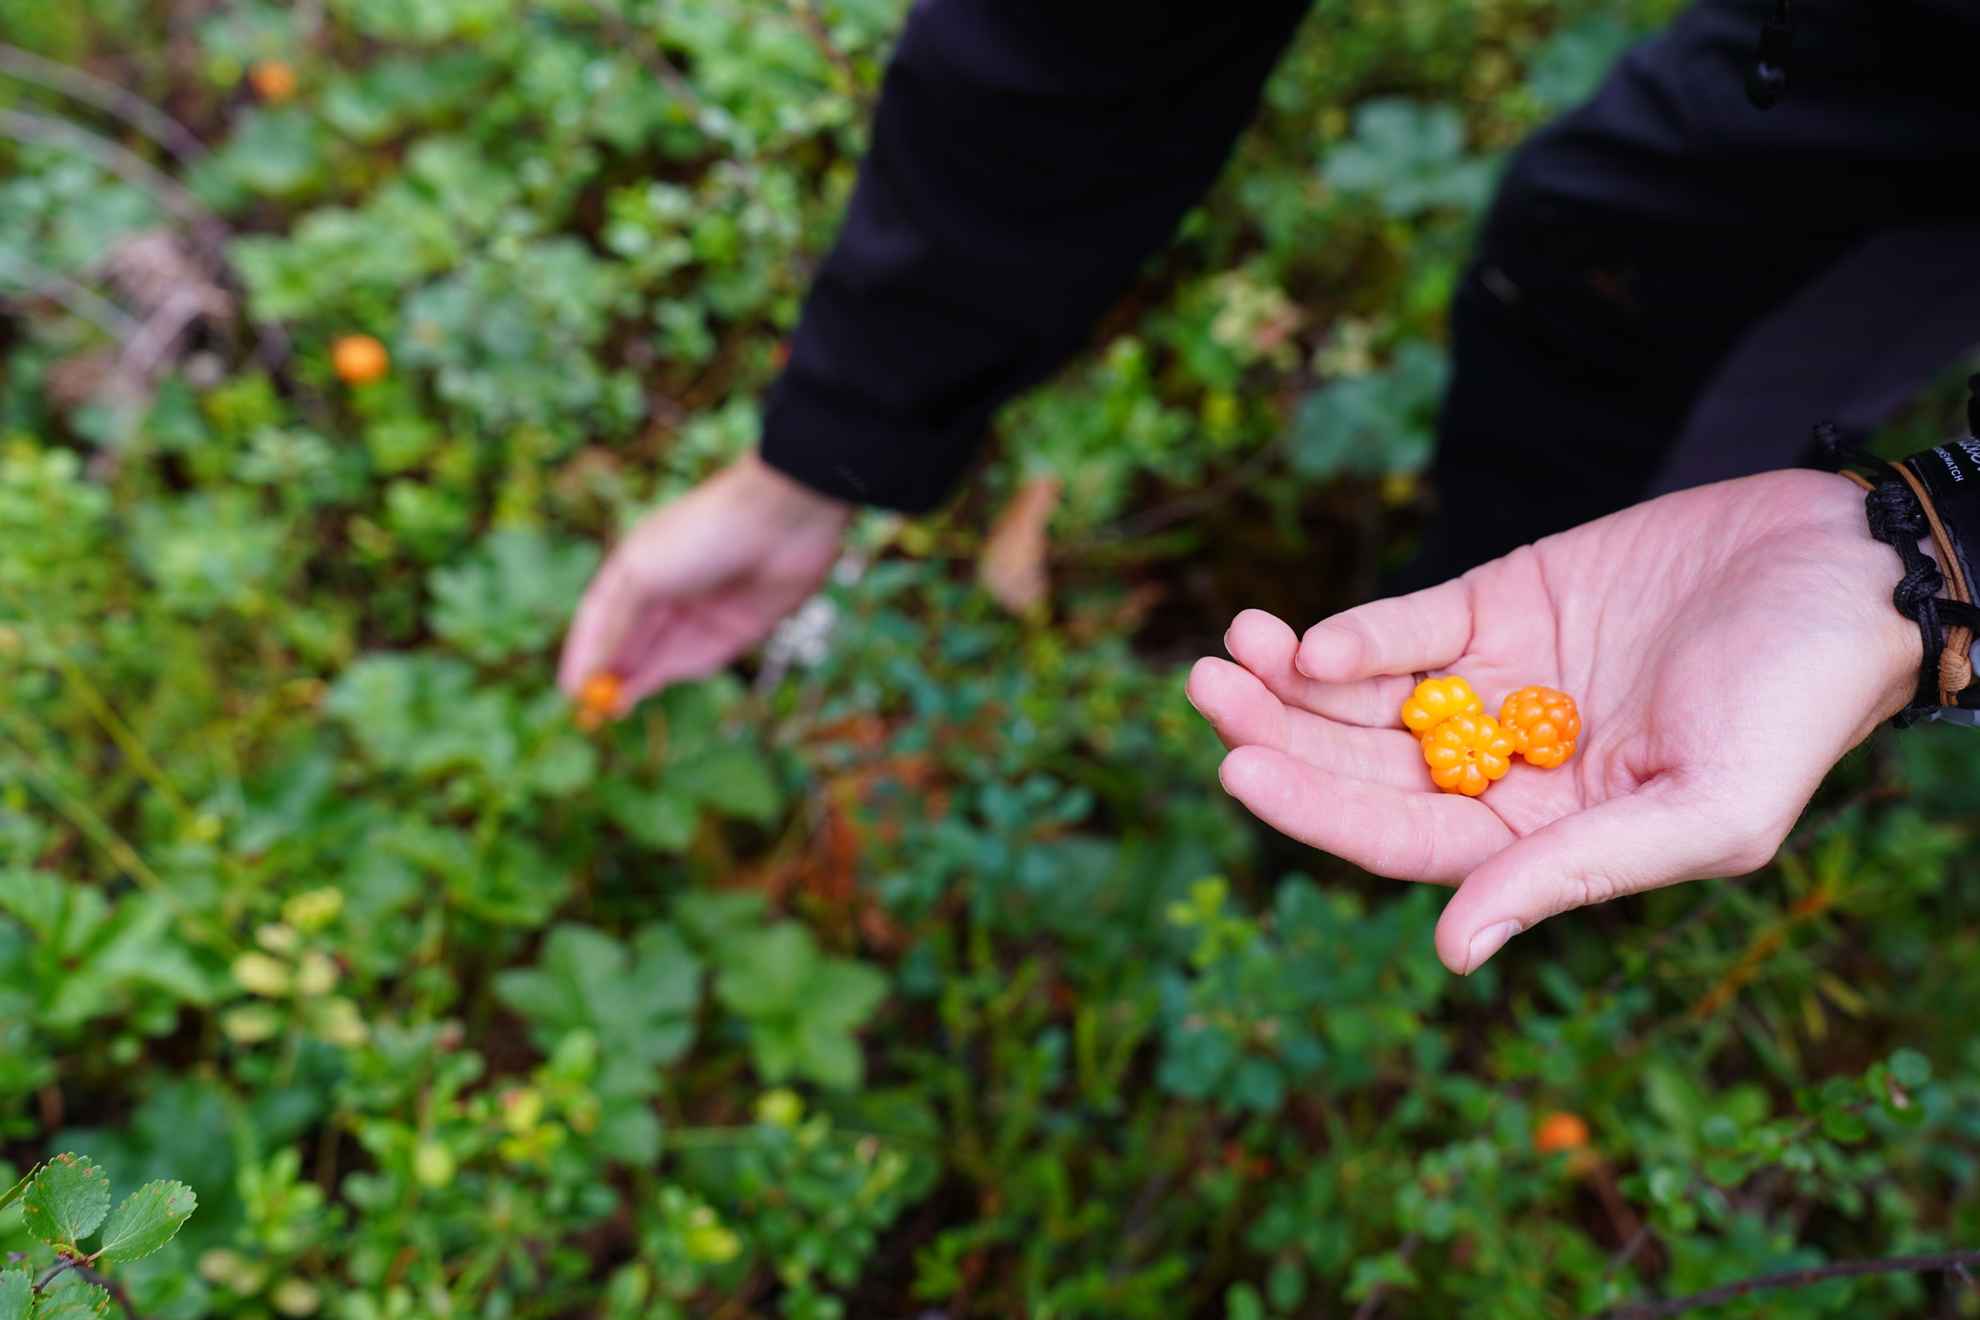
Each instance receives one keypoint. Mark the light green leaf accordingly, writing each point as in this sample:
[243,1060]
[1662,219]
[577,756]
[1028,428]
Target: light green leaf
[74,1300]
[147,1220]
[640,1004]
[16,1295]
[765,972]
[67,1201]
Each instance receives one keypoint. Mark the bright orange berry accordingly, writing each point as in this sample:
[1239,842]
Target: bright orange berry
[598,700]
[1544,725]
[1466,753]
[359,359]
[1558,1132]
[274,81]
[1436,700]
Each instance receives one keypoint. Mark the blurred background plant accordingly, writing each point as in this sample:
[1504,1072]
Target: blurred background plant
[929,972]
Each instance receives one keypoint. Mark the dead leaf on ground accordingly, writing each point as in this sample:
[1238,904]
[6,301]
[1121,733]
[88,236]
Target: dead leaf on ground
[1011,566]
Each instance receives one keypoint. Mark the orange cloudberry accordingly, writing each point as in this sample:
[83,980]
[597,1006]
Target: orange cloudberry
[1436,700]
[1544,725]
[1466,753]
[1560,1131]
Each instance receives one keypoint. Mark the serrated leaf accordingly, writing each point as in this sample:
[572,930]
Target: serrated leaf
[16,1295]
[67,1200]
[75,1300]
[147,1220]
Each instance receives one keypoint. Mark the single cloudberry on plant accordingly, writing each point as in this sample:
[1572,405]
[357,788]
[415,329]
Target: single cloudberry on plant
[1466,753]
[1544,725]
[1560,1131]
[274,81]
[359,359]
[1436,700]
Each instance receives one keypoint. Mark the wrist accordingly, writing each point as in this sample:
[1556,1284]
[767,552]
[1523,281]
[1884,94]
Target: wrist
[1874,569]
[785,499]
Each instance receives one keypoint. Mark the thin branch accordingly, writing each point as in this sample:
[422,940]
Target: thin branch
[1951,1262]
[113,100]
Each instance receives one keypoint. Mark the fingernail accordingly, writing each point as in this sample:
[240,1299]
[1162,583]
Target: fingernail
[1488,942]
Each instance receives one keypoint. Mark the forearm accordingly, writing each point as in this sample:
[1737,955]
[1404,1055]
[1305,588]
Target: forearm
[1025,161]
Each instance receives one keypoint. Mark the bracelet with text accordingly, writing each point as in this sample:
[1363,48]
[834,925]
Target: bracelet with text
[1934,493]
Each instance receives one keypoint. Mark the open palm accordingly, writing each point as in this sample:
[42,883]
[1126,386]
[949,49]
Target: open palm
[1726,645]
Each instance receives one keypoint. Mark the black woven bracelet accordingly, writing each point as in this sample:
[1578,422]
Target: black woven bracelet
[1898,518]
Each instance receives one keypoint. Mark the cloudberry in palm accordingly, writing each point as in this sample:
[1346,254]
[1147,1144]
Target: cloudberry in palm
[1466,753]
[1436,700]
[1544,725]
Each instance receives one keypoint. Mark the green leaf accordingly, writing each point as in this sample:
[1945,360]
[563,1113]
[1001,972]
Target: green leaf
[146,1221]
[734,780]
[511,594]
[16,1295]
[1409,158]
[764,972]
[68,1200]
[1377,424]
[74,1300]
[1910,1068]
[639,1003]
[661,819]
[1844,1125]
[841,994]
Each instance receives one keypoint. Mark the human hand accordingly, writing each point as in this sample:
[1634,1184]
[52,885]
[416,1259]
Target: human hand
[1726,645]
[702,579]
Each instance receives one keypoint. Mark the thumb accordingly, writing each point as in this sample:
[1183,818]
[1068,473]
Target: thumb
[1644,840]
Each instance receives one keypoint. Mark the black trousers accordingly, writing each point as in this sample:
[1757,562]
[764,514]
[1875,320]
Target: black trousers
[1673,286]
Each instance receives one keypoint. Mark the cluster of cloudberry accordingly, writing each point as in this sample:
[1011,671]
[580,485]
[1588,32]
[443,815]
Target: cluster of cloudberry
[1467,750]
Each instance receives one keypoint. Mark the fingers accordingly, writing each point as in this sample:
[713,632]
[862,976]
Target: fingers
[1401,833]
[686,645]
[600,621]
[1266,646]
[1426,629]
[1244,712]
[1640,841]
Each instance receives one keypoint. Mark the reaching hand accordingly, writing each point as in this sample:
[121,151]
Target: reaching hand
[1726,645]
[701,580]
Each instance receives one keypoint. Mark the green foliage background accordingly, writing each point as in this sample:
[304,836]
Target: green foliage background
[926,973]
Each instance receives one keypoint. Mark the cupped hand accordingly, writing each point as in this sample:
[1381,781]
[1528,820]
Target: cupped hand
[702,579]
[1726,645]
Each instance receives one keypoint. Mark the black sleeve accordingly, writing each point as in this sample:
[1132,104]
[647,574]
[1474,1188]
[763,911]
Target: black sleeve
[1027,156]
